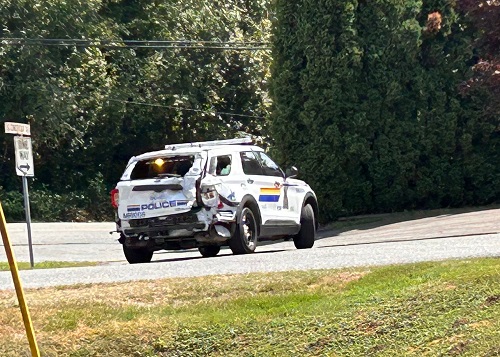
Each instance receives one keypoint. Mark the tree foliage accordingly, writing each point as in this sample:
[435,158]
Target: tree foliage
[368,102]
[93,107]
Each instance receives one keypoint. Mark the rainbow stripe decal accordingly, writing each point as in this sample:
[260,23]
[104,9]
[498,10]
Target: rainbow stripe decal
[270,194]
[133,208]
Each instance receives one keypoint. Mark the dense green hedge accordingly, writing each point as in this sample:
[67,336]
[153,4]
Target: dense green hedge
[367,105]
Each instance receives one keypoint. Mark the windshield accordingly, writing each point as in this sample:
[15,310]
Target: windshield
[158,167]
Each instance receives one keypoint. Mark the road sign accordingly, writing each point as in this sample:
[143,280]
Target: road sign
[17,128]
[24,156]
[24,168]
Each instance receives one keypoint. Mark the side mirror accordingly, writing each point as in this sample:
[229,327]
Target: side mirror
[292,172]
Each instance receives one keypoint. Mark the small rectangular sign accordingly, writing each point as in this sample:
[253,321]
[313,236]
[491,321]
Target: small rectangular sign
[24,156]
[17,128]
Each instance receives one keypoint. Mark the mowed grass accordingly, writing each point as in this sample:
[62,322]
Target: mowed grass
[430,309]
[46,265]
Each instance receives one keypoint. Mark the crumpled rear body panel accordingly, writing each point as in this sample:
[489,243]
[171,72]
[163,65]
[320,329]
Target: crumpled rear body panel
[151,206]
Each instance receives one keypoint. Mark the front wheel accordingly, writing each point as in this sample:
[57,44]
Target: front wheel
[307,234]
[137,255]
[244,239]
[209,251]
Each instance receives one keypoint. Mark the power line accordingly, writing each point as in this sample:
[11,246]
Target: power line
[127,44]
[177,44]
[208,112]
[130,41]
[185,109]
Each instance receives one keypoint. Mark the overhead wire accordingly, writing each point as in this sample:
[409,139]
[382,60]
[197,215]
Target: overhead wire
[186,109]
[123,101]
[127,44]
[128,41]
[154,44]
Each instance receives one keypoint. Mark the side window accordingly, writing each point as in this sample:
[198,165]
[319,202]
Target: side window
[220,165]
[250,163]
[268,165]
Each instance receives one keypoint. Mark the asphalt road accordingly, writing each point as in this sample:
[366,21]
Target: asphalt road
[374,240]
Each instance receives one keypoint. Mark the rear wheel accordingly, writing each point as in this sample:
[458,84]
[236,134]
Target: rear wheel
[137,255]
[305,238]
[209,250]
[244,239]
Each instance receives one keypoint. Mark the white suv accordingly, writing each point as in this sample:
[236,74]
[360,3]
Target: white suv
[207,195]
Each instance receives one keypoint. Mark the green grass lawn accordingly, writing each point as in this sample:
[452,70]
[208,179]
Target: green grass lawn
[46,265]
[429,309]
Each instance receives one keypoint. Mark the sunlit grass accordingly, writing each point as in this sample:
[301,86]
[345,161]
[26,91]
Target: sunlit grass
[427,309]
[46,265]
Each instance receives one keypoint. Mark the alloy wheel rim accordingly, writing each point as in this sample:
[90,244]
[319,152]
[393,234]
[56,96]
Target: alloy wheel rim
[248,230]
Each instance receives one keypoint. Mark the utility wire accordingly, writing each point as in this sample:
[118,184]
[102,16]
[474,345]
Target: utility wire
[152,47]
[185,109]
[131,41]
[157,44]
[126,44]
[158,105]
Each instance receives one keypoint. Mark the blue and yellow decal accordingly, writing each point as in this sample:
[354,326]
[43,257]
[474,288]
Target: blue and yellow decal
[270,194]
[133,208]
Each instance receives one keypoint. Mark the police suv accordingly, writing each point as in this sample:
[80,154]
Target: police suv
[207,195]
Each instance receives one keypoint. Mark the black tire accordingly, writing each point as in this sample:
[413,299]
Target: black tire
[244,239]
[209,251]
[137,255]
[307,234]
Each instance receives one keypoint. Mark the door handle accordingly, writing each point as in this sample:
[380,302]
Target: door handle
[250,181]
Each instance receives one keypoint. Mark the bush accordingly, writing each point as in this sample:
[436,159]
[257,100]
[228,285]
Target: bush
[80,206]
[97,200]
[12,204]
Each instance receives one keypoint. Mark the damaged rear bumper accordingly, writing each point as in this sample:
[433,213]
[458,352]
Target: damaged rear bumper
[203,227]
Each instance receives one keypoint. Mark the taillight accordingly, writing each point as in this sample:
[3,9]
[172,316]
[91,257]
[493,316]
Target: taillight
[114,197]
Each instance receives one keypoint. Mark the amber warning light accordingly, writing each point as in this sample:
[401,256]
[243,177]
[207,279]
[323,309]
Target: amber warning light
[114,197]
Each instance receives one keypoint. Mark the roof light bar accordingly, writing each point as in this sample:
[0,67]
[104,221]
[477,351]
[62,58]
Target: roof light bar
[200,144]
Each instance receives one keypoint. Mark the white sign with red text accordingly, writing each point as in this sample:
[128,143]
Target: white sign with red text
[17,128]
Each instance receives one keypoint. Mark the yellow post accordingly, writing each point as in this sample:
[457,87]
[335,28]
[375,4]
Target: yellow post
[30,333]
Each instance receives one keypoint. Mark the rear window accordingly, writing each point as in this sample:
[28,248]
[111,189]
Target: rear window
[175,166]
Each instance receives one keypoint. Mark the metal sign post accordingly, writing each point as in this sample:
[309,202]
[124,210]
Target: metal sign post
[24,168]
[28,219]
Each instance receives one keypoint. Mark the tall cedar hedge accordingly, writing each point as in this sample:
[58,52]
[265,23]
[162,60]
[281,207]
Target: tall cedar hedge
[367,105]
